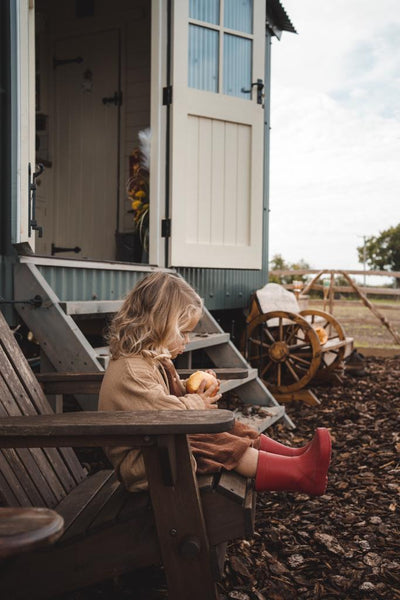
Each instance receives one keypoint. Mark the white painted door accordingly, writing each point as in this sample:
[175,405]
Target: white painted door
[217,133]
[22,117]
[85,158]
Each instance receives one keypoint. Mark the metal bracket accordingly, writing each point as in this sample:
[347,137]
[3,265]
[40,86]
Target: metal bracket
[116,99]
[167,95]
[36,301]
[32,223]
[55,249]
[59,62]
[166,228]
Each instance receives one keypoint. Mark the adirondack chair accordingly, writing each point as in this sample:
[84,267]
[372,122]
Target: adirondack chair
[293,348]
[183,522]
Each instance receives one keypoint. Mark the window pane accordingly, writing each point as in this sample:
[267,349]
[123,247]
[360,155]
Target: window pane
[237,66]
[203,58]
[205,10]
[238,15]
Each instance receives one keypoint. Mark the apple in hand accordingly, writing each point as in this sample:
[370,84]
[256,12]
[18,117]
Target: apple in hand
[194,381]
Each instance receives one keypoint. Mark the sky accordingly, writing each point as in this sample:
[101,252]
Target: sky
[335,130]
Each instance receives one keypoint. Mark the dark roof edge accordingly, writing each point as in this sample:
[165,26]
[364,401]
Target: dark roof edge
[277,19]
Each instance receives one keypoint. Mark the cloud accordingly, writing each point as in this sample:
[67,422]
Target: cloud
[372,74]
[334,177]
[335,139]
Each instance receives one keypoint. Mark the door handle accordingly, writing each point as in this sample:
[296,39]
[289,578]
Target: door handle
[260,86]
[116,99]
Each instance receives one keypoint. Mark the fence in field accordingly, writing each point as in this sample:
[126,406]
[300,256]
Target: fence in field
[329,288]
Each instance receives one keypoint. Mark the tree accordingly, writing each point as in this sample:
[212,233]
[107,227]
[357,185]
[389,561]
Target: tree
[383,251]
[278,263]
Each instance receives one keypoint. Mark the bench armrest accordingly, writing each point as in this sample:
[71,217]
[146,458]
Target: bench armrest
[89,383]
[123,428]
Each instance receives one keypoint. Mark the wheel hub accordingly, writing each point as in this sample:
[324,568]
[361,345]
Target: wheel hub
[279,351]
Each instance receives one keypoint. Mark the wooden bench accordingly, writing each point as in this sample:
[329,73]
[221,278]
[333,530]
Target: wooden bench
[182,523]
[22,529]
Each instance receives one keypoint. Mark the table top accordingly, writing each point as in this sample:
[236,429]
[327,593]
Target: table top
[23,529]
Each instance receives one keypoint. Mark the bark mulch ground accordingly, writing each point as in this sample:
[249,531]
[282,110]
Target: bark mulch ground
[344,544]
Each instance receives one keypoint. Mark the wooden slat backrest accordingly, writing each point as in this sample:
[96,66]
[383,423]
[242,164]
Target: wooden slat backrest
[37,477]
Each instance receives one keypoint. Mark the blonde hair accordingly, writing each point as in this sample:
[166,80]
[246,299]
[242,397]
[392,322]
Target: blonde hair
[153,314]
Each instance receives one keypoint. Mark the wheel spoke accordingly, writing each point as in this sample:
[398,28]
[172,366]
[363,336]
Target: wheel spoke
[266,368]
[279,374]
[291,334]
[280,329]
[259,343]
[300,360]
[292,371]
[268,334]
[299,346]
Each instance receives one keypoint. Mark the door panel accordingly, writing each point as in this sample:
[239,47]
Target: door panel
[217,134]
[86,145]
[22,117]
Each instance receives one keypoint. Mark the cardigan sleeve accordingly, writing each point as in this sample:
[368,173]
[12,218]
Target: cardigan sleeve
[153,394]
[135,385]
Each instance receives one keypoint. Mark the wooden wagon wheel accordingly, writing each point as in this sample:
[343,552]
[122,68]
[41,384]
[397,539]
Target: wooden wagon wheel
[285,349]
[335,337]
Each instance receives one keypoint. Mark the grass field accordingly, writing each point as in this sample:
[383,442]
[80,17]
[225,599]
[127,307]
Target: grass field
[370,335]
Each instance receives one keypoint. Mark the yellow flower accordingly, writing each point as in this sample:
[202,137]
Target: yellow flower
[140,194]
[136,204]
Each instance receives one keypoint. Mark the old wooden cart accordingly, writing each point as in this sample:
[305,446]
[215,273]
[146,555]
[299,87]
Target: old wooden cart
[292,347]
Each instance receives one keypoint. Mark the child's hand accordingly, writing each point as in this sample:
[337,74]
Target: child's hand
[210,397]
[213,373]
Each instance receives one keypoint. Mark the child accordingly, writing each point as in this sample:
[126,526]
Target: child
[151,328]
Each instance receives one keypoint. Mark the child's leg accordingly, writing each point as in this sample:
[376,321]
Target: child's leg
[269,445]
[247,465]
[305,473]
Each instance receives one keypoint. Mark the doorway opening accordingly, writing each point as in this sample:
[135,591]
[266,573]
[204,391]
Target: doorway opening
[93,77]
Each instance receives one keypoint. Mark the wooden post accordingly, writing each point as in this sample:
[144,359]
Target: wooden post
[369,305]
[331,291]
[180,525]
[313,280]
[325,292]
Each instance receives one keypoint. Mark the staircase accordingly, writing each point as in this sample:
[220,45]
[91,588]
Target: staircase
[68,331]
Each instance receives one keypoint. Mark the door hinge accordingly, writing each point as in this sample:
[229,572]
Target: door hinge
[167,95]
[166,228]
[32,186]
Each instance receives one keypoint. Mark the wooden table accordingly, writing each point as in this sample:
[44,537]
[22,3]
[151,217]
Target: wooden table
[23,529]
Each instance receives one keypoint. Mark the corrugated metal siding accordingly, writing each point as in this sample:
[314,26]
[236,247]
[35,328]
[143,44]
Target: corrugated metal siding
[220,288]
[224,288]
[89,284]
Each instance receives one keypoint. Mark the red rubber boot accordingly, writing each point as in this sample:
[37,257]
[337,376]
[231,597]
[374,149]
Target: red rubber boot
[306,473]
[269,445]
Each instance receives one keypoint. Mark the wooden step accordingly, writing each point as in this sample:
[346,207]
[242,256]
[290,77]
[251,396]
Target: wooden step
[91,307]
[197,342]
[231,384]
[267,416]
[206,340]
